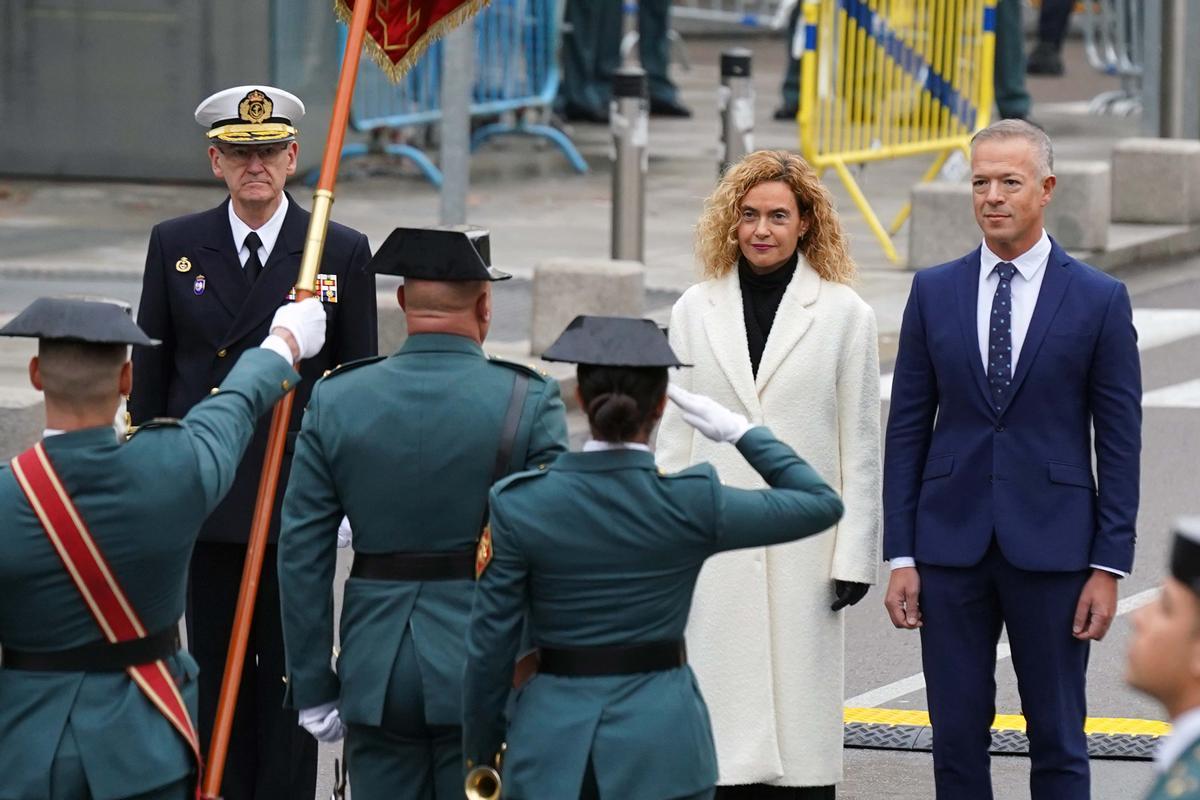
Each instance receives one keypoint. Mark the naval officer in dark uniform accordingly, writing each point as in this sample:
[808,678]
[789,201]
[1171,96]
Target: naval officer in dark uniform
[602,550]
[76,719]
[407,446]
[211,283]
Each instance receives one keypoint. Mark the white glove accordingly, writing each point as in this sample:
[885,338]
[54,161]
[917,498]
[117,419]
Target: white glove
[708,416]
[323,722]
[305,321]
[345,535]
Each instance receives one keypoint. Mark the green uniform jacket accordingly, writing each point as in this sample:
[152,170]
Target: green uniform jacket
[406,448]
[144,502]
[1181,781]
[605,550]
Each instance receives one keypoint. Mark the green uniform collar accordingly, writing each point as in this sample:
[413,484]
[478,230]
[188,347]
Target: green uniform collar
[84,437]
[605,461]
[441,343]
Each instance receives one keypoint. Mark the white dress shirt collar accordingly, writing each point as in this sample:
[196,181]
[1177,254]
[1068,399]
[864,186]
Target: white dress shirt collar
[596,446]
[1185,730]
[268,233]
[1029,263]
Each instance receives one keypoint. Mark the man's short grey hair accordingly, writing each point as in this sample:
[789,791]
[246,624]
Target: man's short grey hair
[1043,151]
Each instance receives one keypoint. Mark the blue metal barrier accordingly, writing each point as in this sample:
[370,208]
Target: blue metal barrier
[516,72]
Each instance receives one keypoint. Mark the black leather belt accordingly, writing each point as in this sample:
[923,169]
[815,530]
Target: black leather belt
[414,566]
[96,656]
[613,660]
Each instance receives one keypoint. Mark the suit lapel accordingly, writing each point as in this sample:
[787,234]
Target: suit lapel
[792,321]
[725,327]
[223,273]
[967,284]
[278,276]
[1050,297]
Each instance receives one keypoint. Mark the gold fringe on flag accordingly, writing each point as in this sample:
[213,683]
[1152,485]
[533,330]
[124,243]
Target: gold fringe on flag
[397,70]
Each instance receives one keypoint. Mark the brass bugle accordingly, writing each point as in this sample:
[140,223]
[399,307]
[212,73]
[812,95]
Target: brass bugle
[483,783]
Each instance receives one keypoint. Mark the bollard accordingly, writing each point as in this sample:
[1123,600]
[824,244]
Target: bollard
[735,104]
[629,113]
[630,57]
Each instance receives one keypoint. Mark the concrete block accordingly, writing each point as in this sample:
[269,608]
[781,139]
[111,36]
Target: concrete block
[22,419]
[1078,214]
[564,288]
[942,226]
[391,324]
[1156,181]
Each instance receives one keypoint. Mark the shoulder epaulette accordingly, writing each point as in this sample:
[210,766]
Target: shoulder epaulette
[349,365]
[157,422]
[530,369]
[517,477]
[695,471]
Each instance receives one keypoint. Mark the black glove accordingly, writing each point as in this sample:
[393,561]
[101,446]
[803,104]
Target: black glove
[848,593]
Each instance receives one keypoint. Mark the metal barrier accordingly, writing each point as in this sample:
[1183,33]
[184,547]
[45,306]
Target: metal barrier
[745,13]
[516,75]
[882,79]
[1113,34]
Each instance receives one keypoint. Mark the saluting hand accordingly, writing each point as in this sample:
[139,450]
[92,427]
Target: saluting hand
[708,416]
[901,600]
[304,321]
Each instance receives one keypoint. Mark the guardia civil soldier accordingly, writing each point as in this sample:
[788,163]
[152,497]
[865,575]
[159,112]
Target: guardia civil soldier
[604,551]
[1164,662]
[97,700]
[406,446]
[211,283]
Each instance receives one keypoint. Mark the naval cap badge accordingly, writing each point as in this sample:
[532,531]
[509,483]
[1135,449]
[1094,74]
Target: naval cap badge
[255,107]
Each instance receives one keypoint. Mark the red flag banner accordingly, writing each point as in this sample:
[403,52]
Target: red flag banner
[399,31]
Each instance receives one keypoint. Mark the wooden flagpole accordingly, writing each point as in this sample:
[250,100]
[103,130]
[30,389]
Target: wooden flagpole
[314,246]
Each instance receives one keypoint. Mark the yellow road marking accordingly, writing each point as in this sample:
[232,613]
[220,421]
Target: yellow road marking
[1112,726]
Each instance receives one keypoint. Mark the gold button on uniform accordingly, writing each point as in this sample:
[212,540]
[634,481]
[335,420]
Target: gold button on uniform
[221,353]
[214,390]
[286,384]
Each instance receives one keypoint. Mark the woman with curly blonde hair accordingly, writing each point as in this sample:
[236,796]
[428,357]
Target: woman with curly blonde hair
[775,332]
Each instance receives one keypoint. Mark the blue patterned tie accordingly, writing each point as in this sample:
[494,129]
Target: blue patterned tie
[1000,341]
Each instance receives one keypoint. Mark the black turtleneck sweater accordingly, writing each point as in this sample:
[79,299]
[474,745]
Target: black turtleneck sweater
[761,295]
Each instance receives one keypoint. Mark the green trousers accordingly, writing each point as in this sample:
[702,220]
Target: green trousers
[1012,98]
[405,758]
[591,52]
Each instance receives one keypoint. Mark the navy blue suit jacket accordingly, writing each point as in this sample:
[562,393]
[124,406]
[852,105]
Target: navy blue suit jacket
[205,328]
[956,469]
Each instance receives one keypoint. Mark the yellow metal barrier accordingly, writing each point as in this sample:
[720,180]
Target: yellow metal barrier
[883,79]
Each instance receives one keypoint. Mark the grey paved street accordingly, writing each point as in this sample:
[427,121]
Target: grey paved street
[73,237]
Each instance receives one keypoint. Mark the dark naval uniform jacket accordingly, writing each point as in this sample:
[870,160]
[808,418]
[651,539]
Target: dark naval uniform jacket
[405,446]
[197,300]
[604,550]
[143,502]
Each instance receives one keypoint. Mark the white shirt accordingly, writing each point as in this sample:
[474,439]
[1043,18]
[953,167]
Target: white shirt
[268,233]
[596,446]
[1031,269]
[1185,730]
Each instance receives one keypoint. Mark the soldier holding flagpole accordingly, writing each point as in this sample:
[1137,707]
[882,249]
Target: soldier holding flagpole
[97,700]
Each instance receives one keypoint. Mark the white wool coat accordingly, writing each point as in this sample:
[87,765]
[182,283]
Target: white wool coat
[761,638]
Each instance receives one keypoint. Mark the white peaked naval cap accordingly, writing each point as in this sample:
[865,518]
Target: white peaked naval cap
[250,115]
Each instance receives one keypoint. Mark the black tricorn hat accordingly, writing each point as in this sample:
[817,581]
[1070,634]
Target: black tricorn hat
[613,342]
[446,253]
[1185,552]
[91,320]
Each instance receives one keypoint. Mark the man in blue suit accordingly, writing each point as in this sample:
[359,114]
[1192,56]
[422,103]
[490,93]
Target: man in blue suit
[1009,358]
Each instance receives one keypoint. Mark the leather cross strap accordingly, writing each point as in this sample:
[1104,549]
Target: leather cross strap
[97,585]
